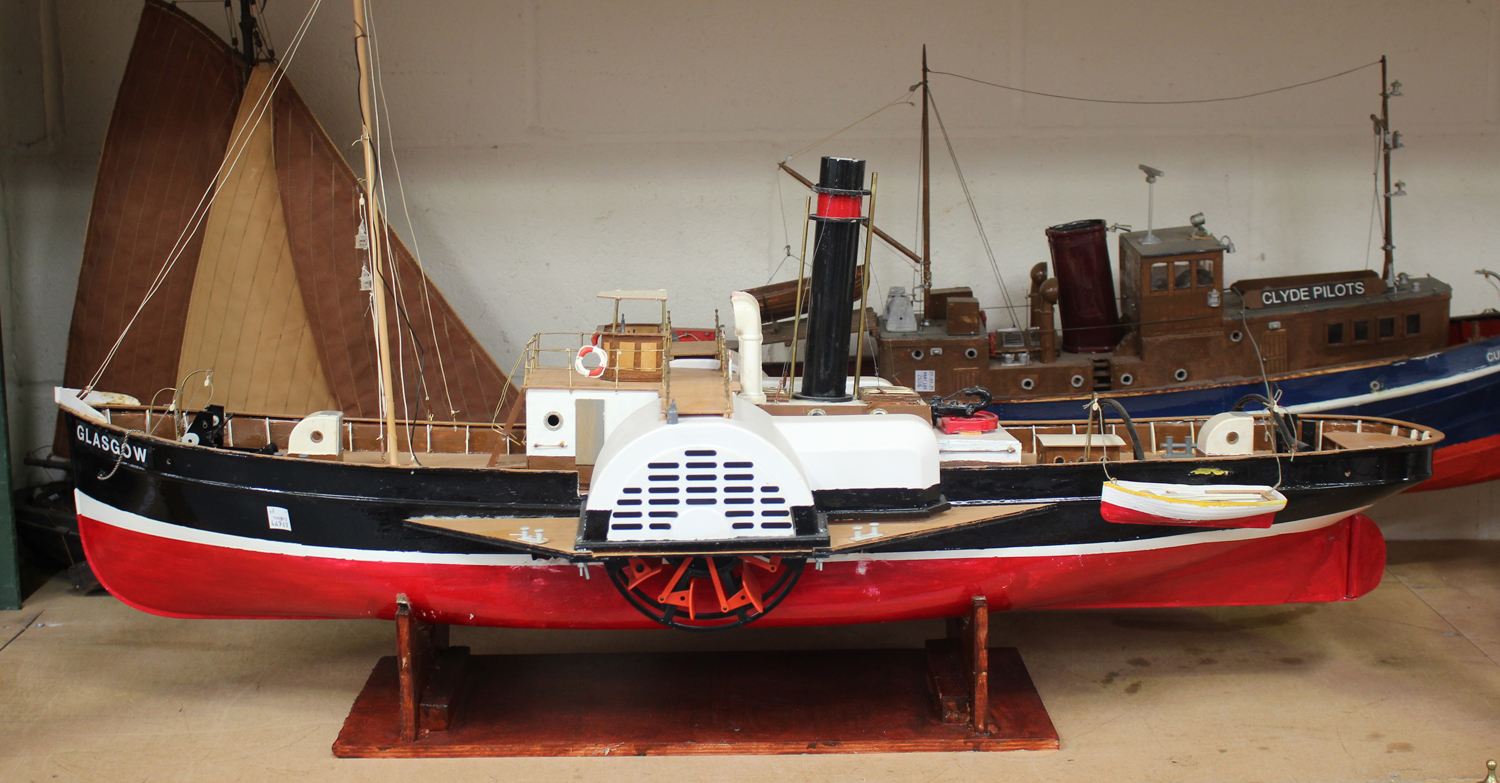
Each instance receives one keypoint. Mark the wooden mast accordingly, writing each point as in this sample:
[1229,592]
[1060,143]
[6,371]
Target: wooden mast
[382,331]
[1388,273]
[926,196]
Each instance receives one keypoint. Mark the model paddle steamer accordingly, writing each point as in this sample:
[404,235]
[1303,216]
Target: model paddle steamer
[670,472]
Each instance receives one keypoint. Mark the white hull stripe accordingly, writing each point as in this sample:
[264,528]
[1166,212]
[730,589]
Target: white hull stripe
[1391,394]
[109,515]
[103,512]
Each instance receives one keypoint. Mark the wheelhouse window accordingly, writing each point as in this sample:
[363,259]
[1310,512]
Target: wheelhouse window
[1159,276]
[1361,331]
[1205,272]
[1386,328]
[1413,324]
[1335,334]
[1182,275]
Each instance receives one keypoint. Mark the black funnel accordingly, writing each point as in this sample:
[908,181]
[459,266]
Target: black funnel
[841,196]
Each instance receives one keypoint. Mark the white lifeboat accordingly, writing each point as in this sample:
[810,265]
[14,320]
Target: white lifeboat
[1211,505]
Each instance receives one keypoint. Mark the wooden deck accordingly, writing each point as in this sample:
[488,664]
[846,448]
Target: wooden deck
[697,392]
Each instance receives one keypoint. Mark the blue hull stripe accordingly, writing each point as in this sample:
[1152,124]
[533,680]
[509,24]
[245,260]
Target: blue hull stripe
[1456,391]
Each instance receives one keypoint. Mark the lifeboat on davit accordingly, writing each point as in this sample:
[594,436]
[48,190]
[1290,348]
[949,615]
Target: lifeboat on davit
[1215,505]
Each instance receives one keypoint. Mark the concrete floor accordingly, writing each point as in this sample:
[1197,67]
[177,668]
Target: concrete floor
[1403,684]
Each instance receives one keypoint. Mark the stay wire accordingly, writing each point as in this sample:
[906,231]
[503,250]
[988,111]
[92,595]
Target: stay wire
[390,281]
[1222,99]
[973,210]
[786,231]
[1274,398]
[393,281]
[899,100]
[259,9]
[200,211]
[411,228]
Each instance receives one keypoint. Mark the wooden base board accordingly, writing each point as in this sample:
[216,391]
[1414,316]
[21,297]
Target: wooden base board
[739,703]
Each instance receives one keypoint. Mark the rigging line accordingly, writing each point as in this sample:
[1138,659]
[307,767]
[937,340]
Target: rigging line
[259,8]
[391,281]
[500,406]
[1158,103]
[916,223]
[200,212]
[973,210]
[805,283]
[394,283]
[777,270]
[404,314]
[1374,206]
[898,100]
[1274,399]
[786,232]
[410,226]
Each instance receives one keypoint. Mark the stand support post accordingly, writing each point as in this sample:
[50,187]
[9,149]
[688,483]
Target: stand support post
[867,701]
[979,657]
[430,672]
[414,654]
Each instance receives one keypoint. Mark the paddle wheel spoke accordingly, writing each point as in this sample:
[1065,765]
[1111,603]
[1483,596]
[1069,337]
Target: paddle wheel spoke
[770,564]
[704,592]
[638,570]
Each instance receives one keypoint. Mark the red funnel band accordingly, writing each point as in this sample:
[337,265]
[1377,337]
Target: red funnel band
[833,206]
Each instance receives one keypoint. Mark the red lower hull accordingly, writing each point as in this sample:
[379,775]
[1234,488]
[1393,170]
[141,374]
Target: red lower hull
[1464,463]
[178,578]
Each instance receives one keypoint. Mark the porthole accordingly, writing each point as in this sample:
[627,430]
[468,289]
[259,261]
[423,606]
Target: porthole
[1058,460]
[316,436]
[817,412]
[1028,384]
[1235,336]
[553,420]
[878,412]
[1077,381]
[1375,386]
[1231,437]
[1181,374]
[1126,379]
[917,354]
[971,353]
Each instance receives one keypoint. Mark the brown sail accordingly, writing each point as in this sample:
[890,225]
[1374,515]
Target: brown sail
[320,196]
[267,292]
[171,123]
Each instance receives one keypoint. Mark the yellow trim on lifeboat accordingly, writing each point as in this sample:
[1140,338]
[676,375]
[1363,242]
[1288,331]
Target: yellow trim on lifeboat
[1201,503]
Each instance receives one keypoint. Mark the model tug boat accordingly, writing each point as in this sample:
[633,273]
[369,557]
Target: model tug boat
[1180,339]
[670,472]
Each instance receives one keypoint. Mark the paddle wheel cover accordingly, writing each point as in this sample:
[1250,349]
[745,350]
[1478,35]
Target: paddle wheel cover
[640,592]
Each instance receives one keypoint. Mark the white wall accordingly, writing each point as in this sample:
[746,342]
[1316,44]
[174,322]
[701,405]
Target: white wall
[554,149]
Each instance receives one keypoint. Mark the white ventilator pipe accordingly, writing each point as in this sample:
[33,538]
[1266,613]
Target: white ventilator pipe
[747,329]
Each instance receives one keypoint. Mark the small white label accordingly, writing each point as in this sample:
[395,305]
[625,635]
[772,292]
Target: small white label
[926,380]
[936,351]
[279,519]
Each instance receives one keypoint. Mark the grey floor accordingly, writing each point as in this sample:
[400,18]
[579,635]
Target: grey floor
[1403,684]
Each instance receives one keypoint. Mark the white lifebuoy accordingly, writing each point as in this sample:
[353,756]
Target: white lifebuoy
[583,369]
